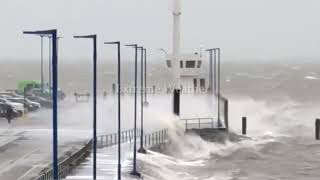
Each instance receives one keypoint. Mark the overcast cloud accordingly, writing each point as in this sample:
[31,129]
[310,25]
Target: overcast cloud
[244,29]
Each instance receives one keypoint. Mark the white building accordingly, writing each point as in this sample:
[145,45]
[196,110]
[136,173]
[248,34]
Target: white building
[187,69]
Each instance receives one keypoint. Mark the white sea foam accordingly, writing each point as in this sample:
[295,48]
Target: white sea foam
[311,77]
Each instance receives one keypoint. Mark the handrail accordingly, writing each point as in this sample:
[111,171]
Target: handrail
[112,139]
[68,164]
[198,122]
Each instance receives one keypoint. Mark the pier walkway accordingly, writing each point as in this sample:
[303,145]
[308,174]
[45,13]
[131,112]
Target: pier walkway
[107,156]
[107,163]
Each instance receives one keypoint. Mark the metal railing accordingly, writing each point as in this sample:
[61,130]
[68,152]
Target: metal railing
[66,165]
[69,163]
[112,139]
[220,122]
[156,138]
[198,123]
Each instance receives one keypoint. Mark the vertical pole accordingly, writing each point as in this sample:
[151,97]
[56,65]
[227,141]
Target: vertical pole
[145,75]
[50,68]
[24,97]
[41,36]
[211,72]
[141,150]
[95,107]
[226,114]
[145,140]
[317,129]
[135,109]
[219,121]
[119,111]
[244,125]
[134,172]
[55,104]
[215,72]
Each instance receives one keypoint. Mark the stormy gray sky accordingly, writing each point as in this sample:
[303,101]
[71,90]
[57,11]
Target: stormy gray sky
[244,29]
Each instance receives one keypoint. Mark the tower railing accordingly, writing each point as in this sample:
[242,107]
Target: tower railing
[221,121]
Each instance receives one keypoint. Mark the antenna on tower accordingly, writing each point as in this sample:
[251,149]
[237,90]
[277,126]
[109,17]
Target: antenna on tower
[176,27]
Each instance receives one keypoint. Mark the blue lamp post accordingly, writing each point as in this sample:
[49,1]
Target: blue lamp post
[94,38]
[119,106]
[141,150]
[53,33]
[145,77]
[134,171]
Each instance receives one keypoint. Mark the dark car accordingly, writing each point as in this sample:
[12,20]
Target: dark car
[46,94]
[43,101]
[30,106]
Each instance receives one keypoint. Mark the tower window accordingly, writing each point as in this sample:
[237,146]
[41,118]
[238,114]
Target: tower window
[190,64]
[199,64]
[169,63]
[202,84]
[181,64]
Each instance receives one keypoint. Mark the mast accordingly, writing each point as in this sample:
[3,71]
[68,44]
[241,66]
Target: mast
[176,27]
[176,12]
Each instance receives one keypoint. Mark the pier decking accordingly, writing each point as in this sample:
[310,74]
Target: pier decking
[107,163]
[107,155]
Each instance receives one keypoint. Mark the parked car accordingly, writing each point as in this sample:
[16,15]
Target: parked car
[4,109]
[43,101]
[30,105]
[18,106]
[9,94]
[47,94]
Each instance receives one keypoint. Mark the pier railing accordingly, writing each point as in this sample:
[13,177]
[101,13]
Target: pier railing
[66,165]
[198,123]
[149,139]
[69,163]
[156,138]
[112,139]
[220,122]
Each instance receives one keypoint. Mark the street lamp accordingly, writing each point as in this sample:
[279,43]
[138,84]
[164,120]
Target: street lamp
[214,77]
[119,107]
[212,70]
[94,38]
[53,33]
[50,68]
[141,150]
[134,171]
[41,36]
[145,78]
[219,73]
